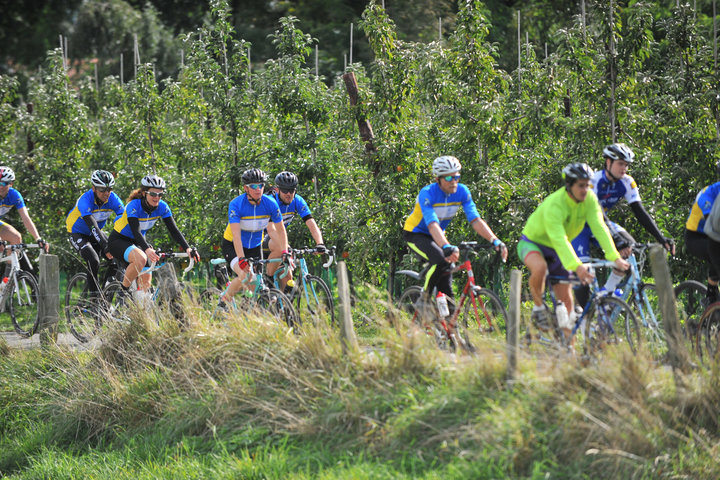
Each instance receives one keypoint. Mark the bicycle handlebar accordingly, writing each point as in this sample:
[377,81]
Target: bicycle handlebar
[329,251]
[165,255]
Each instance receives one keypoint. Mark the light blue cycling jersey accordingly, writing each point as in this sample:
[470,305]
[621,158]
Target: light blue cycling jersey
[609,193]
[87,205]
[434,205]
[12,199]
[134,210]
[252,218]
[701,207]
[298,206]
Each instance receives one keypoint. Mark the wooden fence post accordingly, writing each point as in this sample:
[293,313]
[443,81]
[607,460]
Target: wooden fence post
[677,353]
[513,323]
[347,333]
[49,299]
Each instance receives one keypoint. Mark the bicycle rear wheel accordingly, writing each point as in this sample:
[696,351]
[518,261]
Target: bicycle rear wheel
[708,335]
[314,300]
[81,311]
[483,308]
[23,303]
[610,321]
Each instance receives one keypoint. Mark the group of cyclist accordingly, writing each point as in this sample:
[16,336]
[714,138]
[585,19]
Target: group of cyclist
[558,235]
[256,227]
[556,238]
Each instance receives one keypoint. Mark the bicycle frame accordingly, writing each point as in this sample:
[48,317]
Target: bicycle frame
[13,262]
[308,291]
[634,282]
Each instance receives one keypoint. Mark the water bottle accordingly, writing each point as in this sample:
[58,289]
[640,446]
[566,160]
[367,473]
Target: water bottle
[618,292]
[3,284]
[442,304]
[561,312]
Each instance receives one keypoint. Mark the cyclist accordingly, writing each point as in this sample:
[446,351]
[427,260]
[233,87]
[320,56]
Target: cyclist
[249,214]
[698,243]
[611,185]
[9,198]
[435,206]
[291,204]
[545,243]
[87,218]
[127,240]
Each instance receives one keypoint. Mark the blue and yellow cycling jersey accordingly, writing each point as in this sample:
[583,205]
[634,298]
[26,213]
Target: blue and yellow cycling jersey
[434,205]
[12,199]
[609,193]
[87,205]
[252,218]
[701,208]
[298,206]
[134,210]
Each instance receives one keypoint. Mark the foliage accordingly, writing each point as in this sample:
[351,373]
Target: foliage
[513,130]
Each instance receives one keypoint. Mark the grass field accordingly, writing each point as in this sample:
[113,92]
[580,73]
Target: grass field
[248,399]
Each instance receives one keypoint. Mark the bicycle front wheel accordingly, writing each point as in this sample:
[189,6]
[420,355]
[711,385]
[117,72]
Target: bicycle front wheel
[23,303]
[81,311]
[314,300]
[611,321]
[647,308]
[115,303]
[279,306]
[483,308]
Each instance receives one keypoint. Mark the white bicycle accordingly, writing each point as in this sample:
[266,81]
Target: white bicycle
[19,291]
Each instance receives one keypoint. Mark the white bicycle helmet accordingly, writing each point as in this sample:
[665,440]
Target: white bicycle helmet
[619,151]
[7,175]
[102,178]
[445,165]
[153,181]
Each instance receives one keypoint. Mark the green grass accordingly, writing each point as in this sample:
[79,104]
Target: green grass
[243,398]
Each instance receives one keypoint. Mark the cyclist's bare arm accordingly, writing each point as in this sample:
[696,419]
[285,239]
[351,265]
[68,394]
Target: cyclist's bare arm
[314,231]
[440,239]
[482,229]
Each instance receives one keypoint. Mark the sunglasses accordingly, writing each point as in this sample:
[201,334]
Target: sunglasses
[4,184]
[287,190]
[156,194]
[103,189]
[256,186]
[450,178]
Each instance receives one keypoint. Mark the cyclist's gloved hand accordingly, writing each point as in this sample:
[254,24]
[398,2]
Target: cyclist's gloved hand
[669,245]
[320,248]
[43,244]
[449,250]
[243,263]
[194,254]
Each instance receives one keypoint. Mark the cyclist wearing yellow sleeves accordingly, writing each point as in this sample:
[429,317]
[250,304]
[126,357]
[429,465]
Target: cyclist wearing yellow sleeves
[545,243]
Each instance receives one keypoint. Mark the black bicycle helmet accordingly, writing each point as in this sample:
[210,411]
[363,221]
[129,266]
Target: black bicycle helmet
[619,151]
[575,172]
[286,180]
[102,178]
[153,181]
[254,175]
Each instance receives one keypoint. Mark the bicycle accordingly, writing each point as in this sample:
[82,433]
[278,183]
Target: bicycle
[452,330]
[86,318]
[310,294]
[643,298]
[19,291]
[262,297]
[597,324]
[488,301]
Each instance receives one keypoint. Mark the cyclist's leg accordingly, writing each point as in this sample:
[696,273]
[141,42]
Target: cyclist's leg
[84,245]
[274,250]
[623,242]
[699,245]
[239,282]
[440,273]
[12,236]
[122,247]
